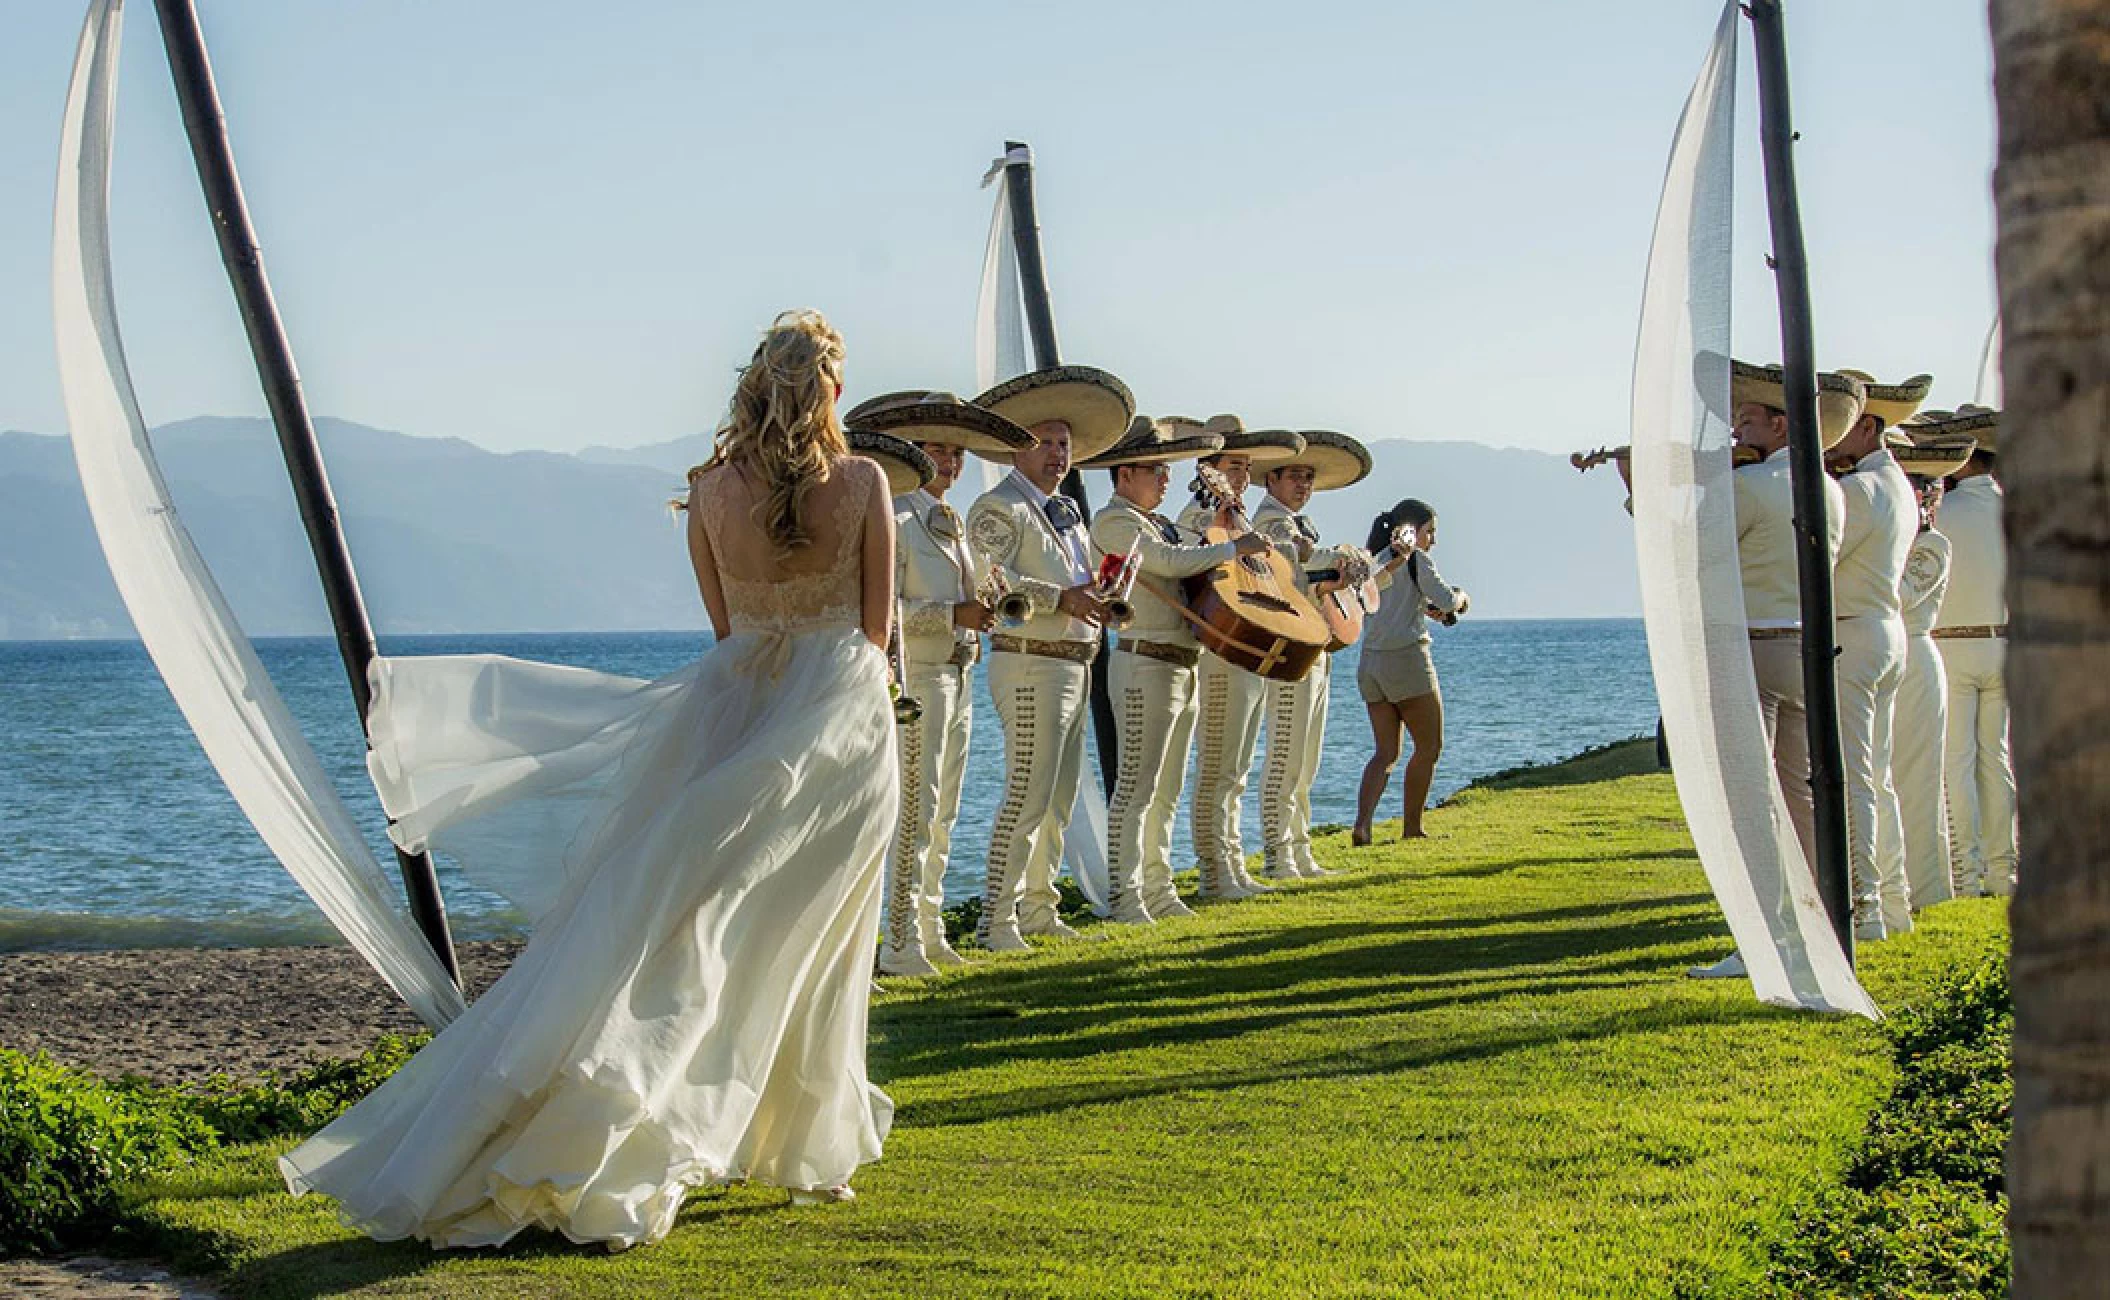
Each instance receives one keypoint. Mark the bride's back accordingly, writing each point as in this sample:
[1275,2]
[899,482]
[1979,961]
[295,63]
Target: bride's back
[767,584]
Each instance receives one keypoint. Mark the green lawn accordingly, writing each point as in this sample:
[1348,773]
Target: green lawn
[1467,1067]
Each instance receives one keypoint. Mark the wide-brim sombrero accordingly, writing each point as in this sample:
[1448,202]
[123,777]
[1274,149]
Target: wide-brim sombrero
[1336,460]
[1893,404]
[1260,446]
[1840,398]
[938,417]
[1096,406]
[907,468]
[1930,454]
[1980,423]
[1157,442]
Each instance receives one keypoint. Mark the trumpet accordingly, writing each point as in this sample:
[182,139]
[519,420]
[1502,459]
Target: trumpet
[1012,608]
[1116,582]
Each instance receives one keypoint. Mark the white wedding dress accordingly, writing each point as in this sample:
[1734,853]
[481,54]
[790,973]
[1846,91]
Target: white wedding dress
[704,857]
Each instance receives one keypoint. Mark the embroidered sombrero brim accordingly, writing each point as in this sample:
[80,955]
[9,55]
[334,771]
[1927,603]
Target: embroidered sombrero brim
[1095,405]
[939,417]
[1978,422]
[1840,398]
[1264,446]
[1893,404]
[1336,459]
[1150,443]
[907,468]
[1936,455]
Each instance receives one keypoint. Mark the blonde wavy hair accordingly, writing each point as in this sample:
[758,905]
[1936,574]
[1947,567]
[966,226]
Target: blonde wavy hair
[782,423]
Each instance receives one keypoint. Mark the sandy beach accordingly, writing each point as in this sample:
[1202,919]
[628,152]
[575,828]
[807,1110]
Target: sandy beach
[175,1014]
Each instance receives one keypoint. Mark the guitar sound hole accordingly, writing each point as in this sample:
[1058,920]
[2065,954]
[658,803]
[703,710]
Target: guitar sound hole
[1265,601]
[1256,565]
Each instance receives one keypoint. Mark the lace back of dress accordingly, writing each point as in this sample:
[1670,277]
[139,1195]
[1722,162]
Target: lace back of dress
[818,585]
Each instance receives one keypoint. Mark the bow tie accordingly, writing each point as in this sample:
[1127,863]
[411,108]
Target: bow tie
[1166,530]
[944,522]
[1304,528]
[1062,514]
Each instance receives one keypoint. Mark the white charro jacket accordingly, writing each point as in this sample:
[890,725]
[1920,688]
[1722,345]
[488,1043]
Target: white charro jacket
[1882,518]
[932,573]
[1008,529]
[1164,562]
[1765,539]
[1970,519]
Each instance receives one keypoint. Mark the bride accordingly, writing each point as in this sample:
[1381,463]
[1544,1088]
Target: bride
[703,857]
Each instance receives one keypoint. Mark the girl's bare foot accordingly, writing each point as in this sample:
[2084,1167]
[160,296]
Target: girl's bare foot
[1413,833]
[1359,837]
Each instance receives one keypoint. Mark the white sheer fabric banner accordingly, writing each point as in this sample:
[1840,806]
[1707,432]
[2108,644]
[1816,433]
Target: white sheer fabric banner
[1691,588]
[1000,354]
[1988,391]
[185,622]
[999,311]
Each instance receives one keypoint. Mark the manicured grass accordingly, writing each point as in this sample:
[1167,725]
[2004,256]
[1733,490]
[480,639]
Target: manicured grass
[1466,1067]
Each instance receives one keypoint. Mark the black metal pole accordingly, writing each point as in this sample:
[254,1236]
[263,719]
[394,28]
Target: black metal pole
[273,352]
[1806,465]
[1040,328]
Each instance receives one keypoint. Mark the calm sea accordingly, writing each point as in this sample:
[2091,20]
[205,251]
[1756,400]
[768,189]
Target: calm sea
[115,832]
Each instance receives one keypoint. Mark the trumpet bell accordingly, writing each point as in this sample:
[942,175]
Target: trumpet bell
[1013,608]
[1119,613]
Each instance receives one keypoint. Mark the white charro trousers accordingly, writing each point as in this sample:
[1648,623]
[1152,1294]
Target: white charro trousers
[1044,705]
[1155,704]
[1871,666]
[1296,733]
[1920,737]
[933,752]
[1777,663]
[1232,702]
[1977,772]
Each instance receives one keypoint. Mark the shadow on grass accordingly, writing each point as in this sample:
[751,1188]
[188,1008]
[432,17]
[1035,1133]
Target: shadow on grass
[1215,989]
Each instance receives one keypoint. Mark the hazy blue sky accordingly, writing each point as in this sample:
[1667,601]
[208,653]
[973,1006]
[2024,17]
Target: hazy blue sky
[542,224]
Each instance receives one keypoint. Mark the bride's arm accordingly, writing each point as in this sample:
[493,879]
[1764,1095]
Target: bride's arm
[878,557]
[706,565]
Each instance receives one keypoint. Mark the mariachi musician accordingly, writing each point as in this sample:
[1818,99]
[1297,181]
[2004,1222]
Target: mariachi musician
[1296,711]
[1232,698]
[1032,539]
[1921,729]
[942,610]
[1152,676]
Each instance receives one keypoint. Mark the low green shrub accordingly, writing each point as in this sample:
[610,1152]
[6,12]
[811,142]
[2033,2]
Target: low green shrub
[302,1101]
[68,1140]
[1922,1210]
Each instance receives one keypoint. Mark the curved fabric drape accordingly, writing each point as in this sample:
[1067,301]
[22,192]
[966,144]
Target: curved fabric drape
[1691,587]
[1000,354]
[177,608]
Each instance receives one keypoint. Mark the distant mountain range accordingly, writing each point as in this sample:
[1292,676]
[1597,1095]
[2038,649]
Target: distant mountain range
[451,538]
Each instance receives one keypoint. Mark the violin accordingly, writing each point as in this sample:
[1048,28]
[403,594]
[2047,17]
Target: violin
[1584,461]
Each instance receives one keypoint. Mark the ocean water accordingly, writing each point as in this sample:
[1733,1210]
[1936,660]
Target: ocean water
[115,831]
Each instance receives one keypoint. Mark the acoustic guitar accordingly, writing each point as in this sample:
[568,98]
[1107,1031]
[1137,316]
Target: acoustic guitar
[1249,612]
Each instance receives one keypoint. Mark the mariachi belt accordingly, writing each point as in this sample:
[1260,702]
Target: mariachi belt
[1077,652]
[1977,631]
[1186,656]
